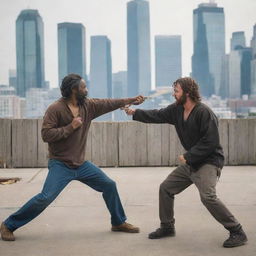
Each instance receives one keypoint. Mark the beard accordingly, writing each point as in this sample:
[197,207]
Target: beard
[182,100]
[81,97]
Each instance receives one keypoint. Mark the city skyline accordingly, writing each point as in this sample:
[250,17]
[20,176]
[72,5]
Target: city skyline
[114,26]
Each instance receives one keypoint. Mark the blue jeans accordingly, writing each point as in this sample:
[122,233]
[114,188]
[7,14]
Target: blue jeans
[58,177]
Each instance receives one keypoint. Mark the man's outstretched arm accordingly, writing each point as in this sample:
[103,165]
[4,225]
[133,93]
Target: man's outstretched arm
[98,107]
[164,115]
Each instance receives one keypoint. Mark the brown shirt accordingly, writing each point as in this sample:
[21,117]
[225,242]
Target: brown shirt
[65,143]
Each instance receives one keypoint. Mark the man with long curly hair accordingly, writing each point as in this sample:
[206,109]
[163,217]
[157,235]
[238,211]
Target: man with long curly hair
[197,128]
[65,128]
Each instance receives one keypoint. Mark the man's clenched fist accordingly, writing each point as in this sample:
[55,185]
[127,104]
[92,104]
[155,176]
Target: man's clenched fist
[182,159]
[129,111]
[77,122]
[138,100]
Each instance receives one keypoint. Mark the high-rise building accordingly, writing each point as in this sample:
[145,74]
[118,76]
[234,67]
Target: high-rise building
[237,40]
[209,47]
[253,77]
[71,49]
[167,59]
[12,78]
[236,73]
[253,63]
[100,68]
[138,43]
[245,54]
[246,58]
[253,42]
[6,90]
[119,83]
[29,51]
[224,89]
[101,71]
[10,104]
[35,102]
[53,95]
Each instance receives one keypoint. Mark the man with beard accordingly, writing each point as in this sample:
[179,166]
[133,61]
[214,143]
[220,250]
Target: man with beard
[197,128]
[65,129]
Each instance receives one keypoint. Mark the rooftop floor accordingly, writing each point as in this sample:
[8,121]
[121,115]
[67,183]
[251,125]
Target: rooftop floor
[77,222]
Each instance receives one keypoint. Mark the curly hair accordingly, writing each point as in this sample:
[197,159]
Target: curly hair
[68,83]
[190,87]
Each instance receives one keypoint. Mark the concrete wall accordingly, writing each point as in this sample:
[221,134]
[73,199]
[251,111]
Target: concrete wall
[123,143]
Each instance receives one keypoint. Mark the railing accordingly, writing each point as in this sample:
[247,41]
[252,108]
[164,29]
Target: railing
[123,143]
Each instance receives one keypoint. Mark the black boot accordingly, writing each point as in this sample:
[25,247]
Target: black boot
[162,232]
[236,238]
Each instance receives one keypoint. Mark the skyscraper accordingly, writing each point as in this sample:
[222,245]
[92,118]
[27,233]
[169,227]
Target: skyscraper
[236,73]
[253,63]
[119,84]
[253,42]
[100,67]
[237,40]
[246,58]
[224,89]
[29,51]
[209,46]
[71,49]
[167,59]
[138,43]
[13,78]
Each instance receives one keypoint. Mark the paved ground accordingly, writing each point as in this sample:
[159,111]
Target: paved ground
[77,222]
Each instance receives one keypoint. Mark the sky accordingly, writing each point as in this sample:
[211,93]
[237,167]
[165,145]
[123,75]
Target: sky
[108,17]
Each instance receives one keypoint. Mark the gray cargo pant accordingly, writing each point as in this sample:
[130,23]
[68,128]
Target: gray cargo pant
[205,180]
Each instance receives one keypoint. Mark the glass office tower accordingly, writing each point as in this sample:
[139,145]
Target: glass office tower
[167,59]
[29,51]
[100,67]
[209,47]
[138,43]
[71,49]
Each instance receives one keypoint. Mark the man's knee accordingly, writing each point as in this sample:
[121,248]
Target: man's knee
[208,198]
[110,184]
[44,199]
[165,189]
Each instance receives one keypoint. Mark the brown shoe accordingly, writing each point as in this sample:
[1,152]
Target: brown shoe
[126,227]
[6,234]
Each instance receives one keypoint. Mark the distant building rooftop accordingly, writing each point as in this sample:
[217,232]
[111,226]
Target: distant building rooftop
[210,4]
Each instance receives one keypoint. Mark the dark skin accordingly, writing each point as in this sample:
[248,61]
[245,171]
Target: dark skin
[83,91]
